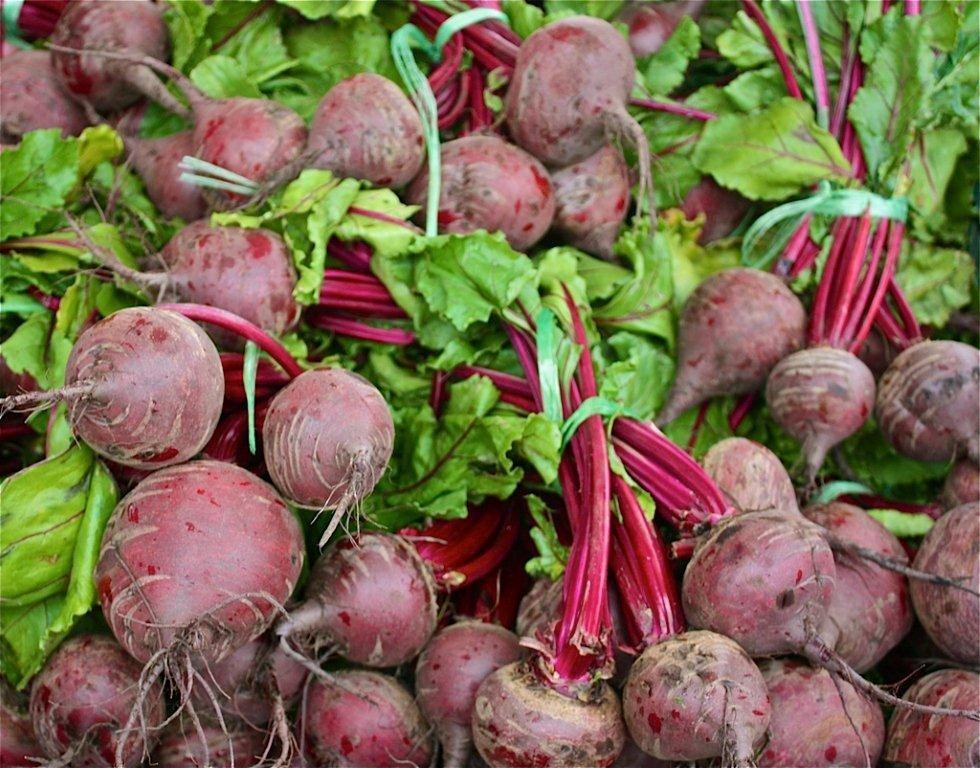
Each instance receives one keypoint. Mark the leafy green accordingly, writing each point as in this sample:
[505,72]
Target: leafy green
[936,281]
[636,373]
[340,9]
[36,177]
[663,71]
[524,18]
[932,164]
[903,524]
[552,555]
[604,9]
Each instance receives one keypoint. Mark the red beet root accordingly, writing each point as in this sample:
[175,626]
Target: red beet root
[734,328]
[962,485]
[157,162]
[33,98]
[181,746]
[723,209]
[751,476]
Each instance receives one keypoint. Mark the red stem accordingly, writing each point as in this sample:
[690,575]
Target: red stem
[753,11]
[861,304]
[843,302]
[740,411]
[674,109]
[357,330]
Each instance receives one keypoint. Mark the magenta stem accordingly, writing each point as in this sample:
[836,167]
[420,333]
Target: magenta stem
[356,330]
[740,411]
[817,73]
[753,11]
[353,257]
[674,109]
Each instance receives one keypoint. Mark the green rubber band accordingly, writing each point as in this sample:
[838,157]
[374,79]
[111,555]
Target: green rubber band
[250,368]
[594,406]
[824,202]
[11,27]
[460,21]
[548,365]
[837,488]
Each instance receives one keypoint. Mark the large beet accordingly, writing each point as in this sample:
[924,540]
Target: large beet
[751,476]
[33,98]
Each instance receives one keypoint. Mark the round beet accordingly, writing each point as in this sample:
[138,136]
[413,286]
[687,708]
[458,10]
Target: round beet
[877,353]
[820,396]
[373,601]
[539,607]
[361,719]
[182,746]
[696,696]
[962,485]
[928,401]
[734,328]
[916,739]
[870,611]
[327,439]
[751,476]
[817,720]
[764,579]
[18,747]
[157,161]
[519,720]
[246,271]
[592,199]
[951,617]
[492,185]
[144,388]
[723,209]
[32,98]
[136,27]
[449,671]
[366,128]
[82,698]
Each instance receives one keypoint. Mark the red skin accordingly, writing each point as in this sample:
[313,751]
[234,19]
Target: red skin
[916,739]
[570,85]
[951,617]
[157,162]
[362,720]
[373,601]
[734,328]
[518,721]
[158,388]
[634,757]
[764,579]
[181,746]
[18,747]
[821,396]
[84,695]
[539,608]
[810,724]
[449,671]
[492,185]
[751,476]
[928,401]
[33,98]
[107,25]
[366,128]
[245,271]
[871,610]
[696,696]
[962,485]
[651,24]
[723,209]
[327,438]
[592,199]
[877,353]
[214,536]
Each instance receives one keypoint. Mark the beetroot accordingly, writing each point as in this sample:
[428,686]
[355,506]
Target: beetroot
[734,328]
[519,720]
[327,439]
[568,93]
[373,602]
[962,485]
[18,747]
[363,719]
[157,162]
[696,696]
[818,721]
[181,746]
[870,611]
[820,396]
[539,607]
[104,25]
[366,128]
[915,739]
[449,671]
[928,401]
[723,209]
[492,185]
[951,617]
[651,24]
[33,98]
[592,199]
[877,353]
[751,476]
[86,692]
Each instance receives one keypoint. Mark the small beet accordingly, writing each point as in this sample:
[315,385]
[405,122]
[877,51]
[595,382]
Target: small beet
[539,608]
[181,746]
[366,128]
[33,98]
[928,401]
[734,328]
[492,185]
[723,209]
[157,162]
[962,485]
[751,476]
[877,353]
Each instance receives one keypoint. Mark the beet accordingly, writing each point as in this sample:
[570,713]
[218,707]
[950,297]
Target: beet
[695,696]
[916,739]
[492,185]
[751,476]
[651,24]
[157,162]
[373,602]
[33,98]
[816,721]
[928,401]
[539,608]
[877,353]
[363,719]
[448,673]
[734,328]
[520,720]
[366,128]
[181,746]
[82,698]
[723,209]
[135,27]
[962,485]
[18,747]
[327,439]
[871,610]
[950,616]
[820,396]
[592,199]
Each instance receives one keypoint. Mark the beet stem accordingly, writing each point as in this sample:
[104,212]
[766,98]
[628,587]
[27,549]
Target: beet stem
[753,11]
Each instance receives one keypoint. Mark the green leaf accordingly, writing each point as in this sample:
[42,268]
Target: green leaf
[754,90]
[552,554]
[604,9]
[771,154]
[636,373]
[524,18]
[97,144]
[936,281]
[187,21]
[664,70]
[36,177]
[383,236]
[903,524]
[743,45]
[222,77]
[932,164]
[321,9]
